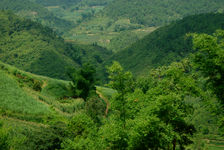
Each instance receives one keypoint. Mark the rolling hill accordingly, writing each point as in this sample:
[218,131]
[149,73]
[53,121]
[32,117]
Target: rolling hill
[29,106]
[32,47]
[160,12]
[37,49]
[36,12]
[118,16]
[167,44]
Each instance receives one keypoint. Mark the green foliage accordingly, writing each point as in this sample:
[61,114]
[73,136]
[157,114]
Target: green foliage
[83,81]
[122,82]
[32,47]
[36,12]
[4,137]
[113,136]
[209,59]
[13,98]
[95,108]
[157,13]
[80,125]
[166,44]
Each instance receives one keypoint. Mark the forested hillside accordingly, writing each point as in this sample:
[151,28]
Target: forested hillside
[135,17]
[69,3]
[160,12]
[175,106]
[167,44]
[111,74]
[36,12]
[34,48]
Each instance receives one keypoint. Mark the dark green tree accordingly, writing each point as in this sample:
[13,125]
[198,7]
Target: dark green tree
[83,81]
[210,60]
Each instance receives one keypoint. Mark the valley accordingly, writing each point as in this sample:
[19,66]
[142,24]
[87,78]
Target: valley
[111,74]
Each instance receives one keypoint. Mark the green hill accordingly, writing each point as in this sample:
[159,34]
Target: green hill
[71,3]
[37,49]
[32,47]
[160,12]
[167,44]
[29,106]
[111,21]
[36,12]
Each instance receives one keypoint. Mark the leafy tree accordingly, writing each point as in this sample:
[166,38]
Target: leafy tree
[95,108]
[122,82]
[161,106]
[83,81]
[210,60]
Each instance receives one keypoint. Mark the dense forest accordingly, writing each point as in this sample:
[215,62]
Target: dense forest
[157,13]
[111,74]
[32,47]
[167,44]
[36,12]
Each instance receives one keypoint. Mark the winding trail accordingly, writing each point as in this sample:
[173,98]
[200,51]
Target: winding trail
[106,101]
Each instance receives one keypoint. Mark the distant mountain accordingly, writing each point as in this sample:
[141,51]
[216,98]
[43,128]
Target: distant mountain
[159,12]
[167,44]
[36,12]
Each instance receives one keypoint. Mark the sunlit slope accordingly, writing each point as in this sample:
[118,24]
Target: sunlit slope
[31,97]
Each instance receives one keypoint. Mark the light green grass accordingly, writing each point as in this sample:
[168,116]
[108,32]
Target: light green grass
[107,92]
[13,98]
[21,100]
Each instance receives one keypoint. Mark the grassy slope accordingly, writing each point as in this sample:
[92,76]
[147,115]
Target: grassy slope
[28,111]
[31,96]
[167,44]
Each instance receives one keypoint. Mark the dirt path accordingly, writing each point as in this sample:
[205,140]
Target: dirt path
[106,101]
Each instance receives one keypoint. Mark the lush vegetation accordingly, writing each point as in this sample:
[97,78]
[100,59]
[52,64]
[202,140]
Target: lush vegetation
[167,44]
[105,24]
[177,102]
[32,47]
[171,107]
[157,13]
[34,11]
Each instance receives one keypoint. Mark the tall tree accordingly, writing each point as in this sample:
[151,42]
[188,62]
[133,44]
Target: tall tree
[122,82]
[83,81]
[210,60]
